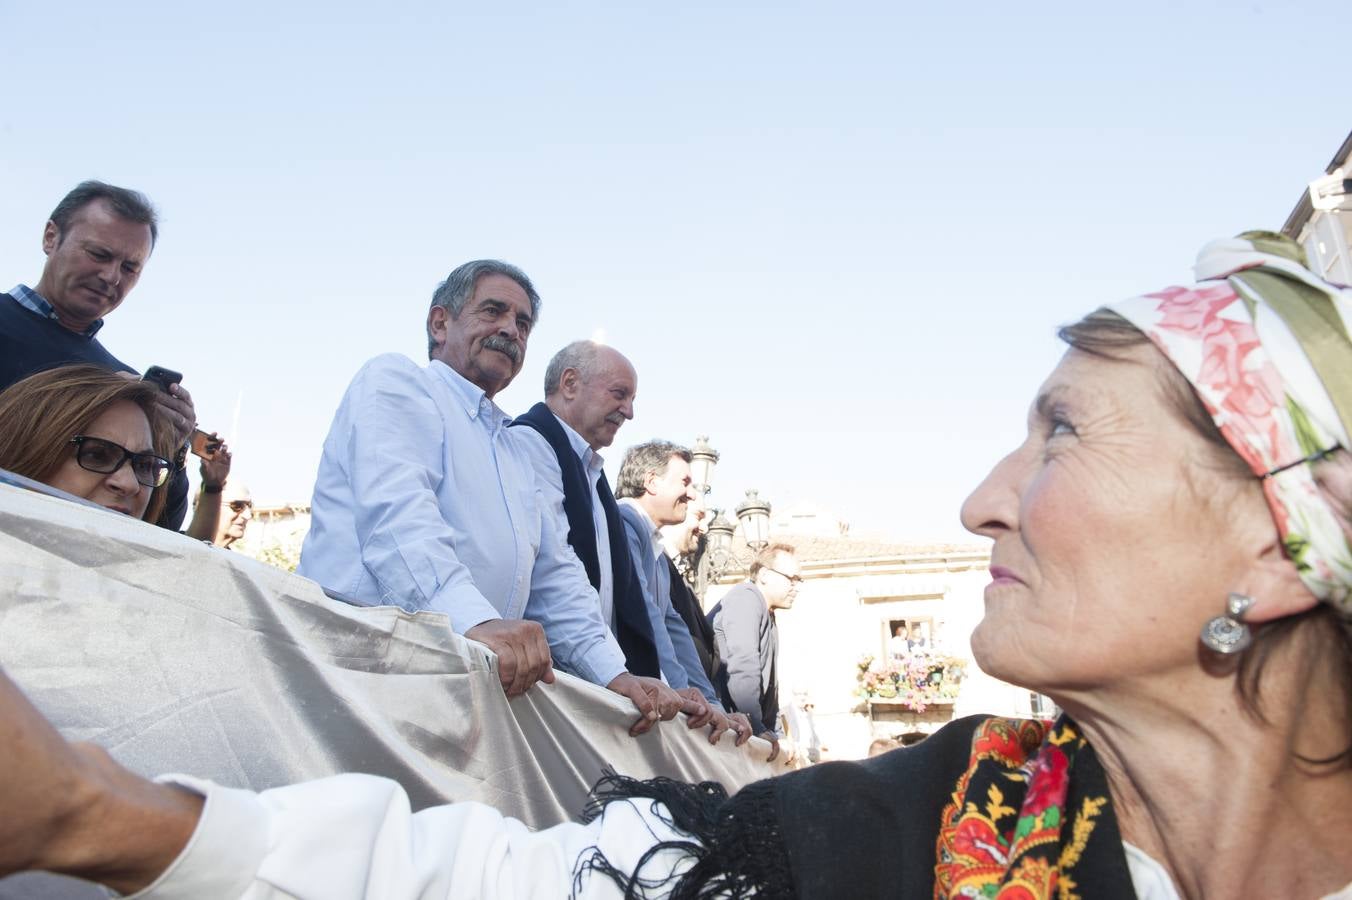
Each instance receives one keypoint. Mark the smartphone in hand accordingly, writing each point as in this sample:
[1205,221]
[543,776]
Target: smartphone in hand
[162,376]
[205,445]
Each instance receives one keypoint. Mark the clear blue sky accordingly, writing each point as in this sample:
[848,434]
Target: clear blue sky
[835,237]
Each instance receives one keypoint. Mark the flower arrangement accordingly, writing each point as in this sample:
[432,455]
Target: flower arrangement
[918,680]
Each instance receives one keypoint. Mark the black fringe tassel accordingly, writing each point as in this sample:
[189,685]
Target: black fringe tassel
[736,845]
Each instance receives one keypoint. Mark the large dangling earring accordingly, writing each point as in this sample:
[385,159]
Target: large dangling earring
[1228,634]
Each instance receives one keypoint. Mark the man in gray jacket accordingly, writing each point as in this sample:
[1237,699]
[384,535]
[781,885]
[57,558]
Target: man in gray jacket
[747,639]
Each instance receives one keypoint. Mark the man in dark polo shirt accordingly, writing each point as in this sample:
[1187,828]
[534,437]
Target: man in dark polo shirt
[97,241]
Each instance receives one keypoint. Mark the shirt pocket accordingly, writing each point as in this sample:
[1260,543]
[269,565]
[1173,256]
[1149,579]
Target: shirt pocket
[530,515]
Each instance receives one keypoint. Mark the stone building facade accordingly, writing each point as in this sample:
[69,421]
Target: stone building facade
[854,593]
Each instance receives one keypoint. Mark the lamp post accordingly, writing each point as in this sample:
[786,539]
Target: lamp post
[754,514]
[702,462]
[715,554]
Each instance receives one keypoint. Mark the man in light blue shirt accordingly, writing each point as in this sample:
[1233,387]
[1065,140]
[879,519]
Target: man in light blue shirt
[654,490]
[423,501]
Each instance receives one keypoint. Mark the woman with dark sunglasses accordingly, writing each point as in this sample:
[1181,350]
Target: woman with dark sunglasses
[89,432]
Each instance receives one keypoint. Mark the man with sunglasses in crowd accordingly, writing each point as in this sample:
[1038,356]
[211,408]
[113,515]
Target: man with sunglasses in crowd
[747,638]
[236,514]
[97,241]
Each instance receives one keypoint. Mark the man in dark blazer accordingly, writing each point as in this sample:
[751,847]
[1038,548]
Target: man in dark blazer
[747,639]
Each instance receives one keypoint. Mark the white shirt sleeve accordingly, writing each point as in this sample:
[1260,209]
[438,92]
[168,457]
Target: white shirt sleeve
[354,837]
[565,603]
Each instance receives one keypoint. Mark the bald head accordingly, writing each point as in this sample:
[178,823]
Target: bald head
[592,388]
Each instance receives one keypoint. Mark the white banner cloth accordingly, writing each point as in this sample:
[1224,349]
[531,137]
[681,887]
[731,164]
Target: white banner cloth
[179,657]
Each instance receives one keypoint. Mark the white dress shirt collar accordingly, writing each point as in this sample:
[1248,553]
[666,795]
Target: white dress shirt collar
[469,394]
[591,460]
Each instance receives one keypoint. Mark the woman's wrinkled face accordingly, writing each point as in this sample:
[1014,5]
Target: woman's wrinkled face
[1111,526]
[125,424]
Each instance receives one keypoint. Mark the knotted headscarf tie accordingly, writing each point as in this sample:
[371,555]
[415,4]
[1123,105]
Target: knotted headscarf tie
[1264,343]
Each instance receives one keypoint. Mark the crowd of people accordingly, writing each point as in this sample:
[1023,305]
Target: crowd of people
[1171,565]
[428,496]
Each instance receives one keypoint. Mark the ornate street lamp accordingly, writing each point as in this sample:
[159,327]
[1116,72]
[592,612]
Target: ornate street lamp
[715,555]
[704,458]
[754,514]
[719,535]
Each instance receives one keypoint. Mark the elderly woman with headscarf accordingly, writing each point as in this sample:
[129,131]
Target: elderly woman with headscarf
[1171,565]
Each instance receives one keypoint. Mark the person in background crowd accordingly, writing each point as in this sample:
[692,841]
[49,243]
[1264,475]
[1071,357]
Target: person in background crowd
[747,637]
[654,491]
[90,432]
[883,745]
[424,501]
[681,541]
[899,645]
[236,514]
[1171,564]
[208,509]
[234,511]
[97,242]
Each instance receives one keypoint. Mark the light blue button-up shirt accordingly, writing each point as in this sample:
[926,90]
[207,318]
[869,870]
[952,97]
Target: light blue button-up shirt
[423,501]
[681,665]
[551,482]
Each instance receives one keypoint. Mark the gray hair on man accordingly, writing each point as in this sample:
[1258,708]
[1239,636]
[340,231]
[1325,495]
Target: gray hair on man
[455,291]
[580,355]
[642,459]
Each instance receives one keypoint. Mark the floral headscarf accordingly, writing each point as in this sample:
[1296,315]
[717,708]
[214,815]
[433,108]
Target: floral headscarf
[1264,343]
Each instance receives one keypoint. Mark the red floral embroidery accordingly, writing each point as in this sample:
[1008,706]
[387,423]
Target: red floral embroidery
[978,840]
[1049,782]
[977,852]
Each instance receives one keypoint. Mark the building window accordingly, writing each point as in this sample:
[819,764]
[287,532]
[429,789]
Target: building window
[904,636]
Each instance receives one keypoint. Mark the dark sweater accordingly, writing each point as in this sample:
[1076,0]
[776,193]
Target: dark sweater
[688,605]
[633,629]
[31,343]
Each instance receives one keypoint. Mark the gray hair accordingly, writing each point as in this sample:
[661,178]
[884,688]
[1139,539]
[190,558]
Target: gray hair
[641,459]
[580,355]
[131,205]
[453,293]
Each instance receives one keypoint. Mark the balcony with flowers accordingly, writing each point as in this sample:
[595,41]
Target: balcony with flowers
[916,683]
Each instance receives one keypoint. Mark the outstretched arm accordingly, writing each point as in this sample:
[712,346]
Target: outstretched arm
[69,808]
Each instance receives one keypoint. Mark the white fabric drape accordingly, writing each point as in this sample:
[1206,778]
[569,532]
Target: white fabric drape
[178,657]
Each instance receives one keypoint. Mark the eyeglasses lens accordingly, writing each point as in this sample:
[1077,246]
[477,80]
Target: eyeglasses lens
[98,455]
[149,470]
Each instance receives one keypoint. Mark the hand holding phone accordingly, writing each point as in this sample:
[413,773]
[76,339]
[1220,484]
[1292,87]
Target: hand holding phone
[177,403]
[163,377]
[205,445]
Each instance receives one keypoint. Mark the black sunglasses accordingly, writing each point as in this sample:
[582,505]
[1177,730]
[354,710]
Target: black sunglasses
[240,505]
[98,455]
[793,579]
